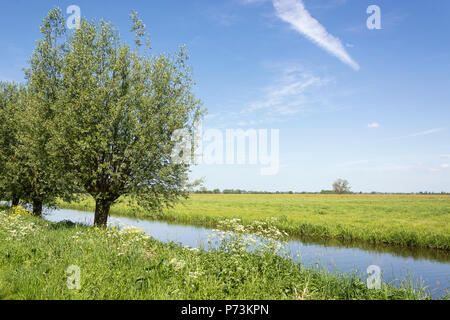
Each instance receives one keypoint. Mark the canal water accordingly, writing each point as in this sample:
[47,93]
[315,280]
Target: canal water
[431,268]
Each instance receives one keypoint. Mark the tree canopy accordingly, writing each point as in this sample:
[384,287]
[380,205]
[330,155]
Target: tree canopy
[341,186]
[11,104]
[98,116]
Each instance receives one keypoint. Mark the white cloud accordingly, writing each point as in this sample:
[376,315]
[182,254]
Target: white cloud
[394,167]
[287,96]
[419,134]
[295,13]
[374,125]
[445,166]
[426,132]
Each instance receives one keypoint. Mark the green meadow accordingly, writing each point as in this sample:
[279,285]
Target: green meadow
[36,256]
[404,220]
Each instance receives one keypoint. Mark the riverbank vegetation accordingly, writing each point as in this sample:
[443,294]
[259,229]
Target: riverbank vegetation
[126,264]
[404,220]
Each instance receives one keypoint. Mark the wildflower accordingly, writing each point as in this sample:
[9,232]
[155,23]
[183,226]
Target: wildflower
[178,264]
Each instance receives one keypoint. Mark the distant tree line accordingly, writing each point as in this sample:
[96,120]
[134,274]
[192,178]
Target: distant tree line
[239,191]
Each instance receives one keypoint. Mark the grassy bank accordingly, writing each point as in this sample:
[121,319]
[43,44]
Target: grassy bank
[405,220]
[113,264]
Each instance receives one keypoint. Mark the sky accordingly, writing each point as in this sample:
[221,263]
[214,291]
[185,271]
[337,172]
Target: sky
[346,101]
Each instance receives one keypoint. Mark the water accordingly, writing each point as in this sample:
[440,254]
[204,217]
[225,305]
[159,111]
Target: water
[428,267]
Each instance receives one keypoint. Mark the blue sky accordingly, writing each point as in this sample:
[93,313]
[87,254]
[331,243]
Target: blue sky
[371,106]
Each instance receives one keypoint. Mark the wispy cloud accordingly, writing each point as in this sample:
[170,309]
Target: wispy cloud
[443,166]
[290,93]
[392,167]
[419,134]
[426,132]
[222,13]
[374,125]
[287,96]
[295,13]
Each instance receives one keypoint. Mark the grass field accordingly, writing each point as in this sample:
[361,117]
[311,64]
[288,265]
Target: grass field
[406,220]
[35,255]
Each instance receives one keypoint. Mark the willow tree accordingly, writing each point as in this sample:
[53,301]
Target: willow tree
[12,102]
[41,170]
[7,95]
[341,186]
[120,109]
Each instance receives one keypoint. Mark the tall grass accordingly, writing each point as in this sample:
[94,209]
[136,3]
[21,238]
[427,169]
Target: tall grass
[404,220]
[126,264]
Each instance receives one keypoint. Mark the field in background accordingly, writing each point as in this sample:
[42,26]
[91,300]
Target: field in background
[408,220]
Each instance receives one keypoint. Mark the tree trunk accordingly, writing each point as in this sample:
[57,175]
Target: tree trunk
[101,212]
[37,207]
[15,201]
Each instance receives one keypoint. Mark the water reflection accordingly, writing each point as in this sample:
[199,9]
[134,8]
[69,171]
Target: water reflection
[429,267]
[399,251]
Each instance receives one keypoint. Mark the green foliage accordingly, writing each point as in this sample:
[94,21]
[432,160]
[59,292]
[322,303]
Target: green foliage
[125,264]
[98,117]
[404,220]
[341,186]
[42,171]
[12,103]
[118,114]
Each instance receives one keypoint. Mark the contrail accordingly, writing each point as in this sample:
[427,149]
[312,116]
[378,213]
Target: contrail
[294,13]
